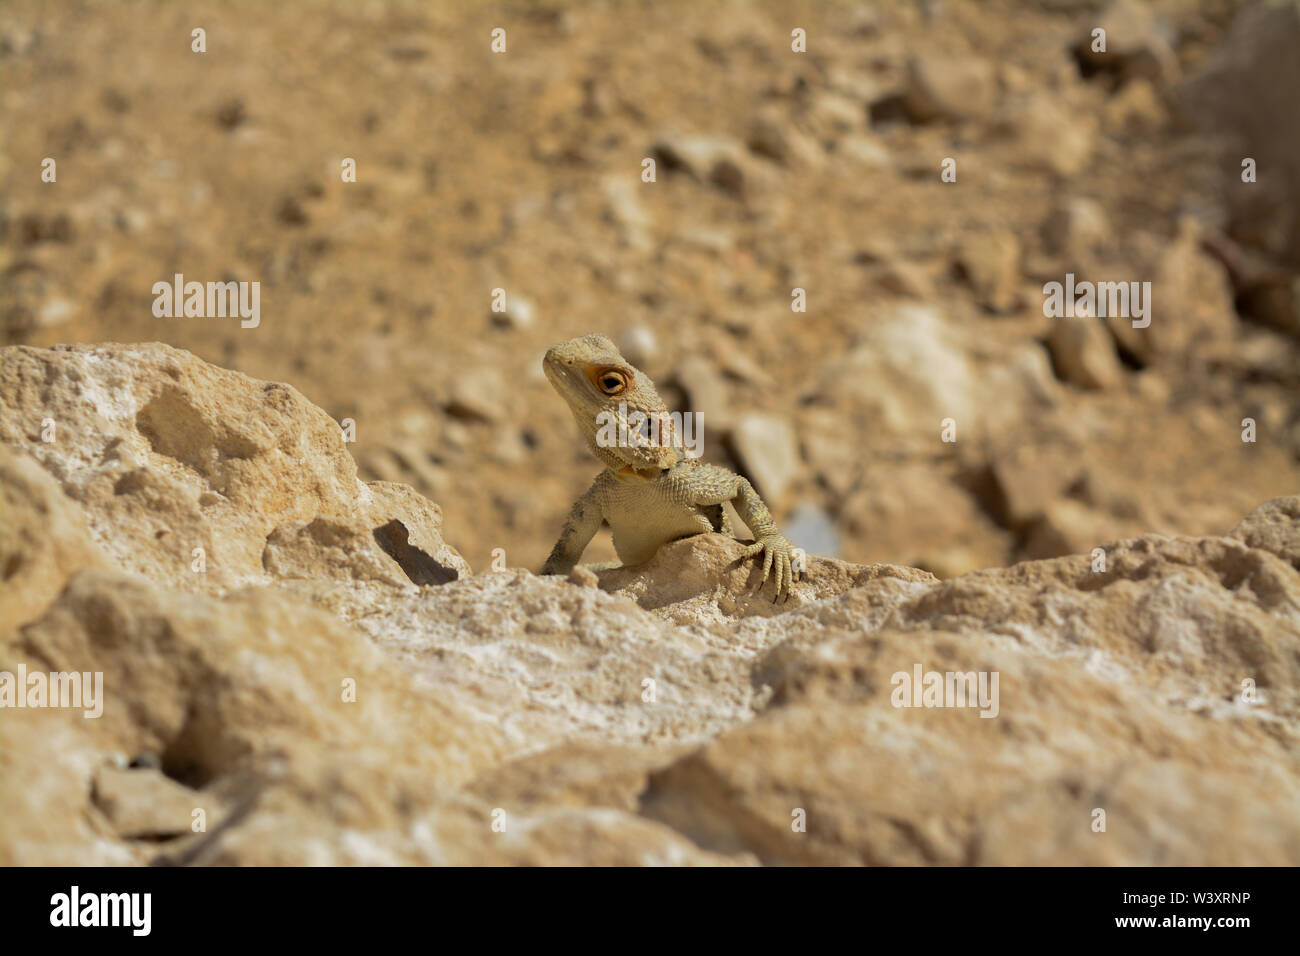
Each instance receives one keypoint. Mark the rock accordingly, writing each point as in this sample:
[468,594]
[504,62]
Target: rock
[583,576]
[1138,45]
[349,548]
[1264,290]
[923,518]
[836,464]
[832,115]
[903,278]
[222,690]
[348,694]
[768,453]
[990,262]
[1027,479]
[1077,228]
[476,397]
[1135,110]
[1273,527]
[1045,134]
[1065,527]
[1244,96]
[911,368]
[142,803]
[941,87]
[716,160]
[865,150]
[1028,779]
[574,775]
[709,582]
[779,140]
[1191,298]
[1083,353]
[44,539]
[706,392]
[908,372]
[519,313]
[624,208]
[639,345]
[183,470]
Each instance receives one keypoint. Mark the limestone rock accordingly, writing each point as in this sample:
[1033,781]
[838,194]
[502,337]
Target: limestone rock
[1046,134]
[911,368]
[719,161]
[1138,44]
[946,87]
[768,453]
[1131,674]
[990,262]
[143,802]
[1274,527]
[44,539]
[1083,352]
[348,694]
[1076,227]
[703,578]
[184,470]
[1247,91]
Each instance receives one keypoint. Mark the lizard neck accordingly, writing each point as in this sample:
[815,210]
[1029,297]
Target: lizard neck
[629,474]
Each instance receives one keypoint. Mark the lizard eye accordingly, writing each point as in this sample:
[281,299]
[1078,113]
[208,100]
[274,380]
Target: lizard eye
[609,379]
[611,383]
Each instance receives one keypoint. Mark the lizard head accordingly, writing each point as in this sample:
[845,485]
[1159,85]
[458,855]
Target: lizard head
[622,418]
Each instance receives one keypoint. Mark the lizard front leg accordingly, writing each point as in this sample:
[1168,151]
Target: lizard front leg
[717,485]
[579,528]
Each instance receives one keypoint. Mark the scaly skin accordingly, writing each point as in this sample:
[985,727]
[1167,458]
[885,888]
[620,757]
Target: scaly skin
[650,492]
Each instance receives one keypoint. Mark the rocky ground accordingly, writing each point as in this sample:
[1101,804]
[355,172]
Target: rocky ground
[206,537]
[299,655]
[775,170]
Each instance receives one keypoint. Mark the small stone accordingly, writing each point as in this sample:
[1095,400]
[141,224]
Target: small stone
[783,143]
[768,452]
[55,312]
[1138,45]
[990,262]
[639,345]
[941,87]
[1076,227]
[705,390]
[231,114]
[904,278]
[866,150]
[476,396]
[1046,134]
[518,314]
[140,802]
[584,577]
[708,159]
[1135,109]
[1083,353]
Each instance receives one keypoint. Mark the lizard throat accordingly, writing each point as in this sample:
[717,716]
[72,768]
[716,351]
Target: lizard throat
[628,473]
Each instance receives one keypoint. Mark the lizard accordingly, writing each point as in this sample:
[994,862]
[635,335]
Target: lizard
[650,491]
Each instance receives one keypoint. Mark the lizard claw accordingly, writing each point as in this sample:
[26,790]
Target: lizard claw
[776,549]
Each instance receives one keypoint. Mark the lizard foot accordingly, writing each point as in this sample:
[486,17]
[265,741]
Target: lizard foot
[776,550]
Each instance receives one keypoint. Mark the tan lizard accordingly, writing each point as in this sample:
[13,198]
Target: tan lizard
[650,492]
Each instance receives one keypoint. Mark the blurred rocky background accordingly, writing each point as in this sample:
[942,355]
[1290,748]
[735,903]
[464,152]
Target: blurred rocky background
[776,170]
[197,530]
